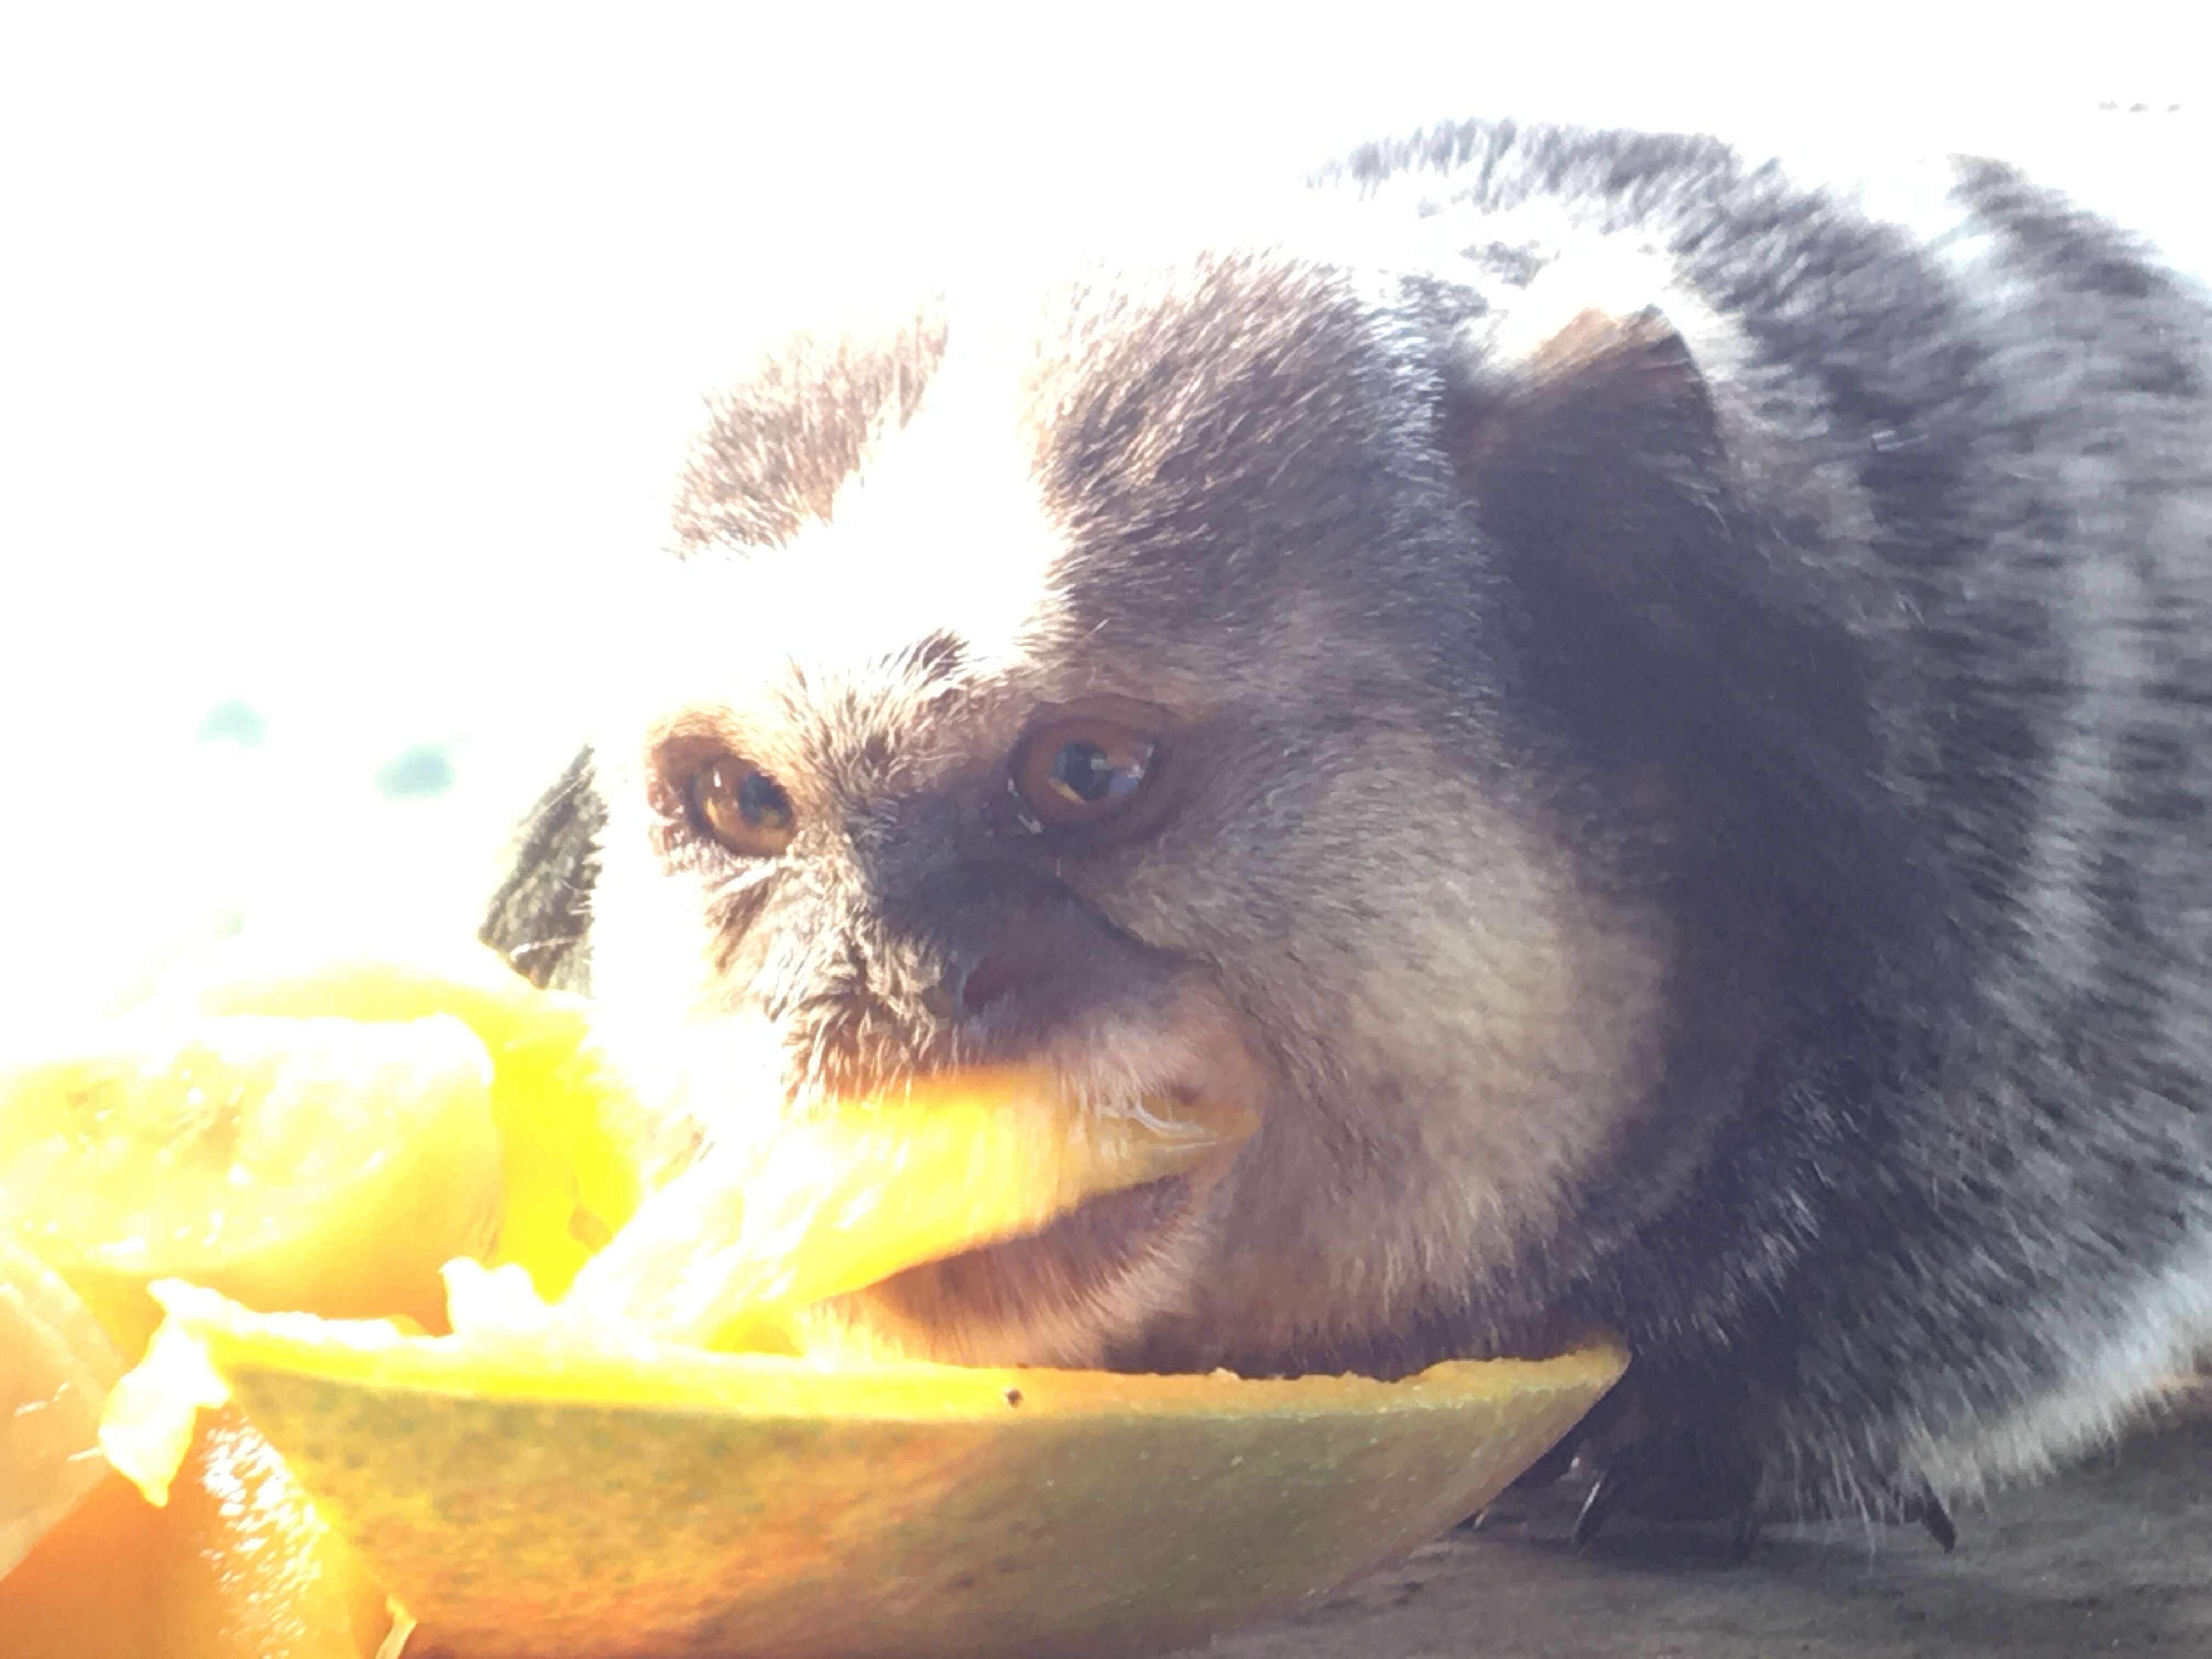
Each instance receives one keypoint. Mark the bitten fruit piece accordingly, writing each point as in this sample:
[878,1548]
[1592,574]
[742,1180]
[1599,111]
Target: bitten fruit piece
[323,1164]
[840,1202]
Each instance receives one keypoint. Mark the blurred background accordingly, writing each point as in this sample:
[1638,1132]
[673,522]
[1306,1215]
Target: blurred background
[347,354]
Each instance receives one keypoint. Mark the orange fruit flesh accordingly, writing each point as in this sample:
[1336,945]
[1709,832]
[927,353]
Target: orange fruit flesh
[238,1565]
[571,1137]
[323,1164]
[87,1588]
[575,1478]
[320,1163]
[56,1367]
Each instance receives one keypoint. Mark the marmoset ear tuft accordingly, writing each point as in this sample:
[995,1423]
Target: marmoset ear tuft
[539,920]
[1594,457]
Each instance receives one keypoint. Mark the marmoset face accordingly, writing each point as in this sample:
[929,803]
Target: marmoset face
[1111,688]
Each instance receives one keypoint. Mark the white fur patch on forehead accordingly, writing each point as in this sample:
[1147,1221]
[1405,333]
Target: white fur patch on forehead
[1417,221]
[1571,261]
[944,530]
[1615,276]
[941,532]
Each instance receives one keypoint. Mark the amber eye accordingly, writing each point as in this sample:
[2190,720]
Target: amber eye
[1080,771]
[741,806]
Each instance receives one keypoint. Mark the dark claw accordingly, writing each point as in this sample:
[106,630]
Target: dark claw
[1928,1509]
[1553,1464]
[1662,1468]
[1743,1533]
[1605,1495]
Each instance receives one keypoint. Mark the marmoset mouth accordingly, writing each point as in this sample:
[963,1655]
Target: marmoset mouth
[1031,1299]
[1070,1291]
[1097,1243]
[1058,1296]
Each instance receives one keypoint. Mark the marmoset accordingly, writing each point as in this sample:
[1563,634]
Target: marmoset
[1653,722]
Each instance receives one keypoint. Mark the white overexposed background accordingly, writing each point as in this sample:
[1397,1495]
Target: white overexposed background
[347,354]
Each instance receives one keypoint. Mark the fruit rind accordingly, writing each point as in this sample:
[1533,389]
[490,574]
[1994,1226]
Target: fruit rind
[807,1512]
[600,1366]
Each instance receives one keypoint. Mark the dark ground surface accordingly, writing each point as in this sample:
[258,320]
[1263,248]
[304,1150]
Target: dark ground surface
[2115,1556]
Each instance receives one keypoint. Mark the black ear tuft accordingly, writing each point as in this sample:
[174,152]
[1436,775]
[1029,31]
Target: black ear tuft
[1637,364]
[1650,562]
[1674,611]
[1600,452]
[540,918]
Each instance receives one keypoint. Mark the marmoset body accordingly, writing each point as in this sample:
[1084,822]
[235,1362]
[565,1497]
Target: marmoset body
[1662,745]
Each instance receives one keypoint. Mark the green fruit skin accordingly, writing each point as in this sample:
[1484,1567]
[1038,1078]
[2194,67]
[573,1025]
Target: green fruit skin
[1055,1523]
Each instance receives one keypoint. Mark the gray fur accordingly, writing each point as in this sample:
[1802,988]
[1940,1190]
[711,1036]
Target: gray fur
[1682,796]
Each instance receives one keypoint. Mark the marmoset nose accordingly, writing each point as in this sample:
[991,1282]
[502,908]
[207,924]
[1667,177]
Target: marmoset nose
[959,993]
[989,980]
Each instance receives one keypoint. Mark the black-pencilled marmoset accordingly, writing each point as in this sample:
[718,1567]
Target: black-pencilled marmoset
[1664,745]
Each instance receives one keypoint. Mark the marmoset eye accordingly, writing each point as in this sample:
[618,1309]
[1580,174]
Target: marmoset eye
[741,807]
[1082,771]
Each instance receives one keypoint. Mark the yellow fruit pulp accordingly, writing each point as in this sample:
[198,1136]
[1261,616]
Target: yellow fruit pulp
[651,1498]
[570,1134]
[56,1367]
[319,1164]
[840,1202]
